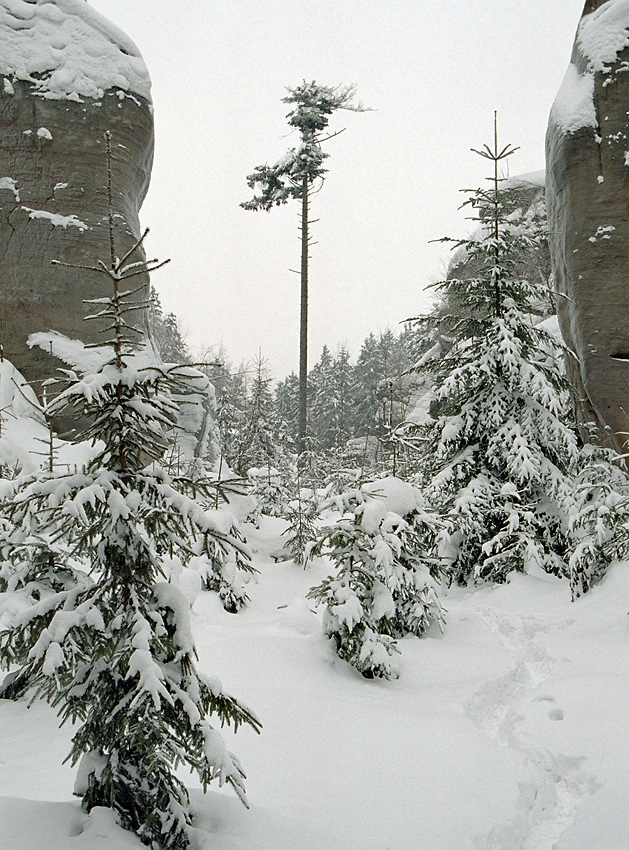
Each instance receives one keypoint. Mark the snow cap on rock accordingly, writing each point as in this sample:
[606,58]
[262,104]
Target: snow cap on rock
[68,50]
[601,36]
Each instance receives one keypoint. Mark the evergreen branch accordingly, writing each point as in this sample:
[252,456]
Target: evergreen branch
[132,249]
[79,266]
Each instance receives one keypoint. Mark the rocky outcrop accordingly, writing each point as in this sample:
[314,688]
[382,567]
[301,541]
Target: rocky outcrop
[523,197]
[66,77]
[587,187]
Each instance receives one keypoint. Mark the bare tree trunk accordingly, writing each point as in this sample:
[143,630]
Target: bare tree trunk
[303,324]
[339,439]
[496,251]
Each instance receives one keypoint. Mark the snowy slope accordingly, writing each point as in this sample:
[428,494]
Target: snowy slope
[508,732]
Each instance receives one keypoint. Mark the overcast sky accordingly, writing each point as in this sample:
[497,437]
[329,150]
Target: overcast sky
[434,71]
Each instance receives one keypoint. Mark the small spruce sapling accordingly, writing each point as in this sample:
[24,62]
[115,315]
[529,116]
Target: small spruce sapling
[115,655]
[270,489]
[385,582]
[301,514]
[224,563]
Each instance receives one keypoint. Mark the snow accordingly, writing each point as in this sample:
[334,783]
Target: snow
[91,764]
[574,105]
[604,33]
[22,424]
[56,219]
[601,36]
[10,184]
[507,732]
[551,326]
[54,658]
[173,598]
[530,178]
[391,495]
[63,826]
[67,50]
[603,233]
[82,357]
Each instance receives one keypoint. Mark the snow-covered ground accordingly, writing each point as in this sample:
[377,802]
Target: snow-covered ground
[507,732]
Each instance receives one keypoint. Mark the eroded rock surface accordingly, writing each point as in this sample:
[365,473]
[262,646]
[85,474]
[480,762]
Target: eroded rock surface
[587,197]
[66,77]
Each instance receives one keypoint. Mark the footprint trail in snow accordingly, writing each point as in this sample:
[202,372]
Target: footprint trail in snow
[552,784]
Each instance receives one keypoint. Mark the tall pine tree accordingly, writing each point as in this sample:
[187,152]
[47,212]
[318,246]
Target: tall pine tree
[295,176]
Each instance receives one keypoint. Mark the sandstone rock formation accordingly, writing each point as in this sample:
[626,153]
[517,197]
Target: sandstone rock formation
[524,195]
[66,77]
[587,192]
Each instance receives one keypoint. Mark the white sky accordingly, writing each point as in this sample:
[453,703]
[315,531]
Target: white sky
[434,71]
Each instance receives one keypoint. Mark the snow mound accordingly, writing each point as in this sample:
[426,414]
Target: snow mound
[391,495]
[67,827]
[68,50]
[551,326]
[23,429]
[298,617]
[530,178]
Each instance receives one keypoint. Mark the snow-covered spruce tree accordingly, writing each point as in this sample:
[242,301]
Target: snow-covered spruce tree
[385,582]
[33,568]
[257,438]
[598,527]
[116,654]
[166,333]
[270,487]
[499,457]
[223,561]
[232,413]
[296,175]
[301,513]
[287,406]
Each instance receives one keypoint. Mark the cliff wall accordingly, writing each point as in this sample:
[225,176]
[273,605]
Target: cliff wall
[67,75]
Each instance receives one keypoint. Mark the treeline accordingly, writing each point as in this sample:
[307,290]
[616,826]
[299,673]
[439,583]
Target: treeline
[352,405]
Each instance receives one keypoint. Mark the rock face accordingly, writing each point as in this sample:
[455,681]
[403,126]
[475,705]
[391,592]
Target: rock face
[587,192]
[66,77]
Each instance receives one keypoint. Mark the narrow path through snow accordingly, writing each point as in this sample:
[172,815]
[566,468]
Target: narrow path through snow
[552,784]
